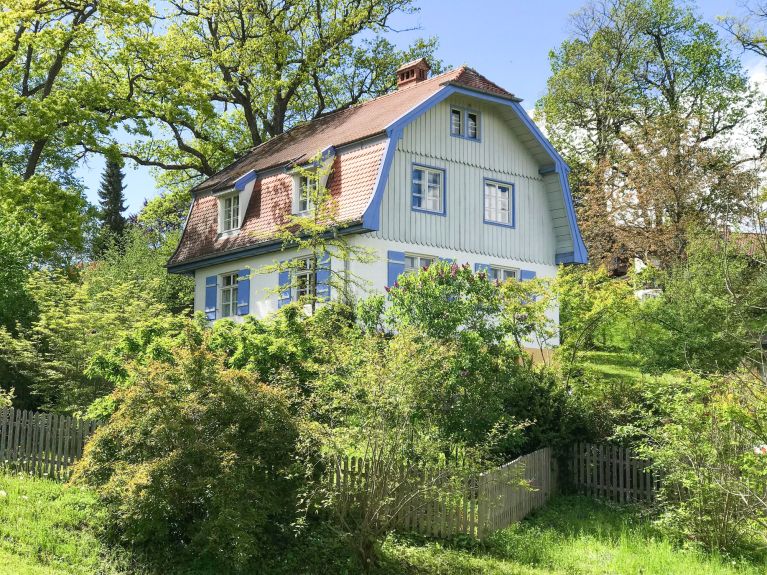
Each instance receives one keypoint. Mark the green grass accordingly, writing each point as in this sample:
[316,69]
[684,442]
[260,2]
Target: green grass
[44,530]
[621,366]
[570,536]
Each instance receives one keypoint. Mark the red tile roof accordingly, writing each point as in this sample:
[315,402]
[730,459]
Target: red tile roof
[352,179]
[346,126]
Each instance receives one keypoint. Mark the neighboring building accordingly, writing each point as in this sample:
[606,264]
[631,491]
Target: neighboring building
[446,167]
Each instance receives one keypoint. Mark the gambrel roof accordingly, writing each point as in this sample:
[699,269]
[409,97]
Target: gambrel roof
[362,140]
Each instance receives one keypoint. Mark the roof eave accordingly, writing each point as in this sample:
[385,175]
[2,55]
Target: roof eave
[260,248]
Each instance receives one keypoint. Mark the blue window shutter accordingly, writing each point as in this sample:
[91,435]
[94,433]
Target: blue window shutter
[451,261]
[482,268]
[211,293]
[243,293]
[525,275]
[323,277]
[396,266]
[283,280]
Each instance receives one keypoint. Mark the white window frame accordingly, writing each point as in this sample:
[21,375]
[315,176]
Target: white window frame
[429,194]
[228,293]
[493,210]
[502,274]
[416,262]
[229,217]
[304,278]
[305,186]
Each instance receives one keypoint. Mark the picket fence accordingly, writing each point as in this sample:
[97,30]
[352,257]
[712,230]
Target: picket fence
[434,503]
[612,472]
[44,444]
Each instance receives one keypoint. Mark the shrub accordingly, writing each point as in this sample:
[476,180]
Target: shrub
[700,436]
[197,457]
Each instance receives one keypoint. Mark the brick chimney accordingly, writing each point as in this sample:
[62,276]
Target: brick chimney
[412,73]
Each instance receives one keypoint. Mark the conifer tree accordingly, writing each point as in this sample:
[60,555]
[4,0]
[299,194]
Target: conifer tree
[111,197]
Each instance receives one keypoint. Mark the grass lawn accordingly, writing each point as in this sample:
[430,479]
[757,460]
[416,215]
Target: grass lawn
[44,531]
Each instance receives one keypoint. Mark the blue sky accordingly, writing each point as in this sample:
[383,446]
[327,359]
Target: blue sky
[507,41]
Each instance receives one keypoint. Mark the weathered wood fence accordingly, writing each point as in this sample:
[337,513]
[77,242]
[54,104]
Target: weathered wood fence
[41,443]
[437,503]
[611,472]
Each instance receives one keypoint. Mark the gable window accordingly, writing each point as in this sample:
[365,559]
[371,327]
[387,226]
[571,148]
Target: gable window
[230,213]
[456,122]
[464,123]
[307,188]
[502,274]
[305,278]
[428,189]
[229,294]
[414,262]
[499,203]
[472,126]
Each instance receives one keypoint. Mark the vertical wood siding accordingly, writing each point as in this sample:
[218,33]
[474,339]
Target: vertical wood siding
[505,153]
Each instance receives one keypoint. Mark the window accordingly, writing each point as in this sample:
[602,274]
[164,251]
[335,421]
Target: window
[472,126]
[464,123]
[414,263]
[501,274]
[499,203]
[305,278]
[230,213]
[307,187]
[456,122]
[229,294]
[428,189]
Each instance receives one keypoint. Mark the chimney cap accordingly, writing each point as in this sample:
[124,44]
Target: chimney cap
[413,63]
[412,72]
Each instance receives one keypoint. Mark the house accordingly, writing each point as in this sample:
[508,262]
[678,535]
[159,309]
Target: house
[447,167]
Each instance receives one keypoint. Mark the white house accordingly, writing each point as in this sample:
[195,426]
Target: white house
[445,167]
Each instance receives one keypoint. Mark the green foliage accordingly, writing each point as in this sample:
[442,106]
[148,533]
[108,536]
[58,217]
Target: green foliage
[52,216]
[189,443]
[644,100]
[493,397]
[112,202]
[709,317]
[701,435]
[226,76]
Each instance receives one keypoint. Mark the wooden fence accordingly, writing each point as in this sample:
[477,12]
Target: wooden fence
[611,472]
[41,443]
[437,503]
[507,494]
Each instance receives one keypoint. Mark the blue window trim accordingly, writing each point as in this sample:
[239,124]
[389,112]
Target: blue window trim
[444,190]
[465,111]
[513,187]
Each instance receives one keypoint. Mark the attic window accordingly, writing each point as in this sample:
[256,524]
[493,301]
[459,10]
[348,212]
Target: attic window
[464,123]
[229,213]
[306,188]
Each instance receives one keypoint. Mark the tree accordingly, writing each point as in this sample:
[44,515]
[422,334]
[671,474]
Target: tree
[55,93]
[111,197]
[112,201]
[644,93]
[749,30]
[316,235]
[228,75]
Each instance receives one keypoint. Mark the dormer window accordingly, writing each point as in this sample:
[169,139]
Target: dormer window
[307,188]
[229,213]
